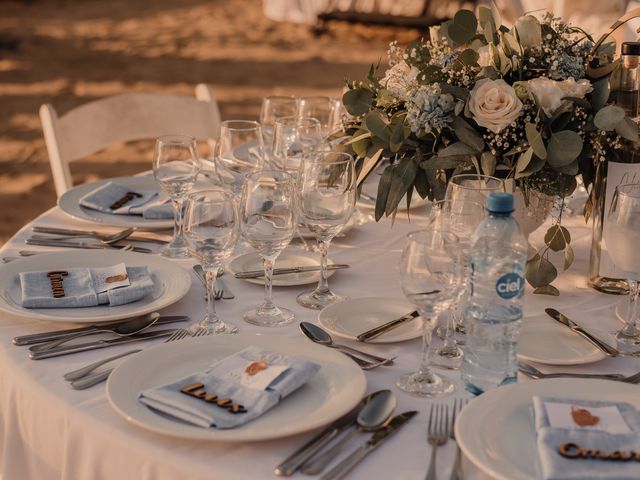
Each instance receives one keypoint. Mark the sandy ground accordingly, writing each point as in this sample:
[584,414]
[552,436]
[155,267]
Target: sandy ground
[68,52]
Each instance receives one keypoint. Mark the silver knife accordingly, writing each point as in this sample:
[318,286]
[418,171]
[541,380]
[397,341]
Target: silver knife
[42,337]
[83,347]
[556,315]
[283,271]
[71,244]
[341,469]
[377,331]
[292,463]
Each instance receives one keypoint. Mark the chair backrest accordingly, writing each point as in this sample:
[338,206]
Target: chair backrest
[122,118]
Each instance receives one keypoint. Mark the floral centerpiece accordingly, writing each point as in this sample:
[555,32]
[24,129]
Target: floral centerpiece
[480,97]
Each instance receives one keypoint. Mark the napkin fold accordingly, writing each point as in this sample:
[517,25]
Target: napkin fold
[151,205]
[582,425]
[233,378]
[80,289]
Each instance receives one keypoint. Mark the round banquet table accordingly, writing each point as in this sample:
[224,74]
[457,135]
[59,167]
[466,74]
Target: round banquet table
[50,431]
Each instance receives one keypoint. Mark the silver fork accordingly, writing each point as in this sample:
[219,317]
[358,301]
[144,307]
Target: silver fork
[80,379]
[438,434]
[458,405]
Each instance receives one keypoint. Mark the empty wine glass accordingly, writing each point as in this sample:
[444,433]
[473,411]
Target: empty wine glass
[429,276]
[212,228]
[292,138]
[267,216]
[460,217]
[238,152]
[175,167]
[473,187]
[327,196]
[622,237]
[322,109]
[273,108]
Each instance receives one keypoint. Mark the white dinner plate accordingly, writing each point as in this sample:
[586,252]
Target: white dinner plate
[350,318]
[496,433]
[332,392]
[544,340]
[290,257]
[171,283]
[69,203]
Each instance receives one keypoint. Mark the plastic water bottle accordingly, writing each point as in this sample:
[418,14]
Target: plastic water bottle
[494,312]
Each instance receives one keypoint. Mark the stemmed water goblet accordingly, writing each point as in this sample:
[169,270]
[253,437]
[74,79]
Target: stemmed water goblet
[267,218]
[460,217]
[273,108]
[622,237]
[326,199]
[211,225]
[473,187]
[293,137]
[429,278]
[322,109]
[175,168]
[239,151]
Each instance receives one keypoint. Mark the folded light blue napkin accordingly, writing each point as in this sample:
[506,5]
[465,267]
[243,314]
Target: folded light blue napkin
[584,430]
[150,204]
[252,378]
[80,289]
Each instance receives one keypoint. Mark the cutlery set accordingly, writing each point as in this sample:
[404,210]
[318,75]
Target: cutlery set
[372,415]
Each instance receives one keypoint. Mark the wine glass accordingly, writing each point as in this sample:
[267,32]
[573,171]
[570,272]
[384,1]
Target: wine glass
[292,138]
[238,152]
[622,237]
[273,108]
[322,109]
[327,197]
[429,280]
[175,168]
[460,217]
[267,218]
[211,224]
[472,187]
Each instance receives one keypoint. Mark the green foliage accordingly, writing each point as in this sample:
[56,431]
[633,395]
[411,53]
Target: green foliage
[463,28]
[357,101]
[563,148]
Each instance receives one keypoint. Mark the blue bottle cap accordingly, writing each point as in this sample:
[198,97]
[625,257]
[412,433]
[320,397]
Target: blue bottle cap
[499,202]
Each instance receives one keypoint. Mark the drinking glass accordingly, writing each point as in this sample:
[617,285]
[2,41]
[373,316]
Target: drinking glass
[322,109]
[212,227]
[429,280]
[326,199]
[273,108]
[460,217]
[622,237]
[292,138]
[267,218]
[238,152]
[472,187]
[175,168]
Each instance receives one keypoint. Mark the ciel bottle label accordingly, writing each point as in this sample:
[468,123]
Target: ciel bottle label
[510,285]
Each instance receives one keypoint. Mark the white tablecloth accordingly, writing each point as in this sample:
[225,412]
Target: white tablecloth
[50,431]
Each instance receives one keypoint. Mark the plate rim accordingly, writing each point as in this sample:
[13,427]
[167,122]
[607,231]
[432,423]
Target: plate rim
[488,397]
[379,340]
[101,218]
[33,314]
[359,382]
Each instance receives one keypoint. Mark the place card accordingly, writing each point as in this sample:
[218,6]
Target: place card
[257,374]
[586,417]
[108,278]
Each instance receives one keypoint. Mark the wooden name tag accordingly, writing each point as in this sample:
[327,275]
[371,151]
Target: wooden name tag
[575,451]
[196,390]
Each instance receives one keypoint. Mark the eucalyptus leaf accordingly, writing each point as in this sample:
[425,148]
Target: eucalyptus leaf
[377,124]
[457,149]
[384,184]
[438,187]
[458,92]
[547,290]
[535,165]
[421,183]
[523,161]
[368,166]
[488,163]
[563,148]
[467,135]
[572,169]
[535,140]
[557,238]
[397,137]
[464,26]
[628,129]
[357,101]
[469,57]
[600,94]
[539,271]
[488,24]
[608,117]
[568,257]
[402,176]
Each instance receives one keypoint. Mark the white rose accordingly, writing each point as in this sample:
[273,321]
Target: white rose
[494,104]
[529,31]
[548,94]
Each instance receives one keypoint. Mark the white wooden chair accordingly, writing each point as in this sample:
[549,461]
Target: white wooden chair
[93,126]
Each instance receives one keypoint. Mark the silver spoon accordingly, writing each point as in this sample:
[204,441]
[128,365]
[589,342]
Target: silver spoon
[533,372]
[318,335]
[124,329]
[373,416]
